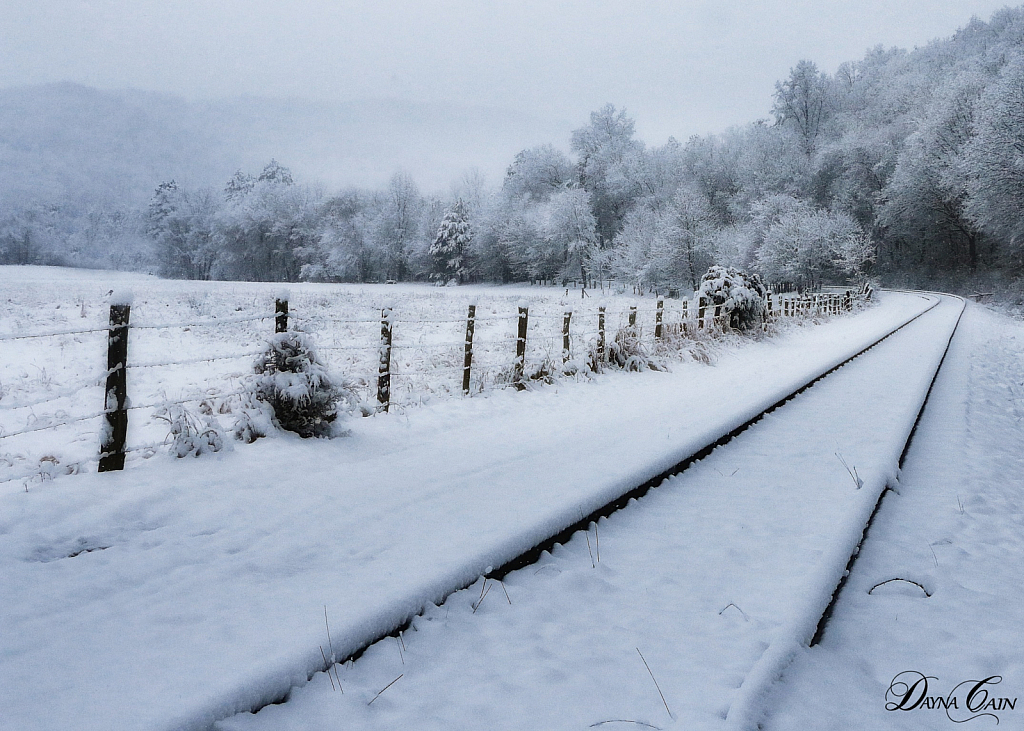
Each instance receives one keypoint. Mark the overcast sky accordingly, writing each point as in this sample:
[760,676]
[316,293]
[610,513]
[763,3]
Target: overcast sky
[680,68]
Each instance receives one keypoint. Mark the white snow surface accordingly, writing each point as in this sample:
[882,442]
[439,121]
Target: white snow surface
[956,528]
[718,577]
[180,592]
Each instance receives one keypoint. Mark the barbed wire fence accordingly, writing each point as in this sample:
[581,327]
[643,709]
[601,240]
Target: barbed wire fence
[393,362]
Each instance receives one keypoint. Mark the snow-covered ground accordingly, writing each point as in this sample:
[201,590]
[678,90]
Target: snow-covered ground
[956,529]
[712,581]
[178,592]
[701,576]
[174,593]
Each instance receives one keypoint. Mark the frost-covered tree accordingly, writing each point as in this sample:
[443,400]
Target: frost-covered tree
[342,252]
[770,162]
[802,103]
[667,245]
[448,251]
[268,232]
[182,225]
[275,172]
[503,241]
[994,159]
[569,235]
[692,229]
[538,173]
[240,185]
[926,195]
[806,246]
[608,158]
[711,165]
[398,228]
[643,252]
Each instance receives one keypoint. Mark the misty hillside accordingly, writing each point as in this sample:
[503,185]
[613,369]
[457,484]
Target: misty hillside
[903,165]
[67,141]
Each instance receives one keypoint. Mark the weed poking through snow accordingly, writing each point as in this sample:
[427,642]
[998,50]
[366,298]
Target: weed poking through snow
[190,435]
[655,682]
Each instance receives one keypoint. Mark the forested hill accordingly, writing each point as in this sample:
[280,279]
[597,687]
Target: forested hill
[908,165]
[72,142]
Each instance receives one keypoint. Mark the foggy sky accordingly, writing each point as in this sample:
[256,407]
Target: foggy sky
[679,68]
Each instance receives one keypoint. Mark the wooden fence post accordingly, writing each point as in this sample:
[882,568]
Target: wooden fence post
[601,342]
[848,301]
[717,323]
[658,317]
[467,363]
[115,401]
[281,319]
[565,335]
[632,315]
[702,309]
[384,363]
[520,364]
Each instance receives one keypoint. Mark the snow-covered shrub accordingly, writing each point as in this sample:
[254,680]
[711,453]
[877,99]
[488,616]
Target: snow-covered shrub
[626,350]
[253,419]
[294,382]
[684,340]
[741,296]
[543,371]
[190,434]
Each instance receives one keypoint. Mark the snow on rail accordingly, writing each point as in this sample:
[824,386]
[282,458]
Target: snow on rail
[800,627]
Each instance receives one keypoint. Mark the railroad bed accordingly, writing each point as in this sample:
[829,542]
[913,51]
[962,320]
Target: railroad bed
[207,596]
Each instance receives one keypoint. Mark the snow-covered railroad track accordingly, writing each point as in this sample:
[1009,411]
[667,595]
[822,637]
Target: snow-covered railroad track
[243,556]
[775,566]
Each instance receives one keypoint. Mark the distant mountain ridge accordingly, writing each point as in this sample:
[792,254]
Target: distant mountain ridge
[66,141]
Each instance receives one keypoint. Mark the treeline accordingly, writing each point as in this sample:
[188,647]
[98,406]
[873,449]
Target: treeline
[906,164]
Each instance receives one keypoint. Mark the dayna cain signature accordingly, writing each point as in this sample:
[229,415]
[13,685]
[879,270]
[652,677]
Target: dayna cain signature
[968,700]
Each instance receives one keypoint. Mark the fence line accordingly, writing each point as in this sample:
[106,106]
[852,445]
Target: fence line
[574,332]
[91,382]
[213,322]
[50,334]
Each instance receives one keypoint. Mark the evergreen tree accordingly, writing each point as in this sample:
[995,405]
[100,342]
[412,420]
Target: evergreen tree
[448,252]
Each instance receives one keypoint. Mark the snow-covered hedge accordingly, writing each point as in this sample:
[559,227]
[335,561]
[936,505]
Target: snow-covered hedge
[741,295]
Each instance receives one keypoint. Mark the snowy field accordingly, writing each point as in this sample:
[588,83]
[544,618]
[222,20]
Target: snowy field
[196,342]
[180,591]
